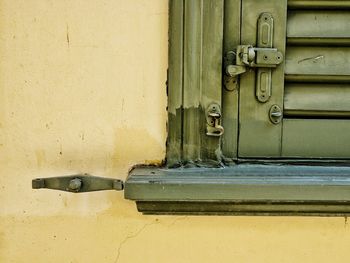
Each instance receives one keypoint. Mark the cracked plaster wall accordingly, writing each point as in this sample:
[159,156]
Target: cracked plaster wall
[82,89]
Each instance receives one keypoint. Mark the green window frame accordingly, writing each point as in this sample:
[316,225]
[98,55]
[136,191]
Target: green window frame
[203,174]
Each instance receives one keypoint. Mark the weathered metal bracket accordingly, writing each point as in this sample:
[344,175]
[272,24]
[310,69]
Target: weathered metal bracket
[265,40]
[80,183]
[263,57]
[213,118]
[232,71]
[248,56]
[254,57]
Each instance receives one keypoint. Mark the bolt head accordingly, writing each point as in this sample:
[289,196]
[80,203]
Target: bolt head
[75,185]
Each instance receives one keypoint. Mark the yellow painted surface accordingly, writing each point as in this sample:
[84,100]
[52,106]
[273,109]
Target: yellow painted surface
[82,89]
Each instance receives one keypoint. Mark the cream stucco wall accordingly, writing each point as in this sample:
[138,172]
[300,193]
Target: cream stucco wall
[82,89]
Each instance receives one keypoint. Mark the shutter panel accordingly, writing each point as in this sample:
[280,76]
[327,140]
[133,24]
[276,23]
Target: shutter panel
[312,87]
[258,137]
[317,88]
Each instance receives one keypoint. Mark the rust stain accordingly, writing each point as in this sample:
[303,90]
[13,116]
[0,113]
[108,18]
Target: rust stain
[154,162]
[136,146]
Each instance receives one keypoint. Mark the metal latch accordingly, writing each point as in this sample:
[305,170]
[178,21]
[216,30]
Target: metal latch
[263,57]
[248,56]
[252,57]
[80,183]
[213,117]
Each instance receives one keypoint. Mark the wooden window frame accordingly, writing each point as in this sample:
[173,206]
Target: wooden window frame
[202,175]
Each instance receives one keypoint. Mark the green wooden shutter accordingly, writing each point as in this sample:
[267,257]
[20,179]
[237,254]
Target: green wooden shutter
[258,137]
[195,79]
[317,73]
[312,87]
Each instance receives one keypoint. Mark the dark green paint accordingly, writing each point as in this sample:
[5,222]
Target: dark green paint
[232,28]
[242,188]
[310,90]
[319,4]
[175,82]
[195,80]
[245,208]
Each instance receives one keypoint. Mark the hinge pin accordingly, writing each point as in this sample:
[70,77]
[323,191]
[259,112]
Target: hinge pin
[75,185]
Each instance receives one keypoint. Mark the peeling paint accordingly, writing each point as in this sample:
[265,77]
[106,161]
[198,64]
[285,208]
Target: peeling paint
[188,145]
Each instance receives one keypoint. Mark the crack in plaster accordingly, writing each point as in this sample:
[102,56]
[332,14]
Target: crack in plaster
[127,238]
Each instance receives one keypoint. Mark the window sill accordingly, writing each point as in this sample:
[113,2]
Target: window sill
[244,189]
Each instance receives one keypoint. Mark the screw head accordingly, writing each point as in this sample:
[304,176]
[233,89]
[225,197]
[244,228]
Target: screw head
[275,114]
